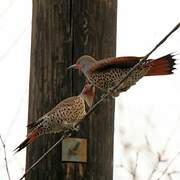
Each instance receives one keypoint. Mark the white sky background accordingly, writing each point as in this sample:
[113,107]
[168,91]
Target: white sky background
[150,108]
[15,29]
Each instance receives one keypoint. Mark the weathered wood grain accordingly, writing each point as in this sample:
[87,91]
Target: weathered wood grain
[62,30]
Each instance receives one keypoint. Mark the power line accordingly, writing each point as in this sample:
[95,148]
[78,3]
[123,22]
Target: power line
[4,11]
[2,57]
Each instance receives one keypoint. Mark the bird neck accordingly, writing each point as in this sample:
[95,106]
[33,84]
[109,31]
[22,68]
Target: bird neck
[86,98]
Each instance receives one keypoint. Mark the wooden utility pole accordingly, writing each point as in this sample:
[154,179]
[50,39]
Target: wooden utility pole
[63,30]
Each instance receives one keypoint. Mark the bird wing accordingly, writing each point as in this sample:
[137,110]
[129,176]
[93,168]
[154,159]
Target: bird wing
[35,123]
[113,62]
[64,105]
[66,102]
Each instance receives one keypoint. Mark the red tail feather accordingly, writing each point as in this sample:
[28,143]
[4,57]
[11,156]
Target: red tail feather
[30,138]
[162,66]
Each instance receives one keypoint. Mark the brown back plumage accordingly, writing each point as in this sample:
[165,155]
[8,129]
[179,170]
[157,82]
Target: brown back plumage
[113,62]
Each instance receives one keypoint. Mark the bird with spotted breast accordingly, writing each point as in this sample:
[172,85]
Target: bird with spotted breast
[105,74]
[64,116]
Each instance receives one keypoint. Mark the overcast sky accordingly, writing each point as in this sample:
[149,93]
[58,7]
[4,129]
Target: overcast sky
[141,24]
[15,28]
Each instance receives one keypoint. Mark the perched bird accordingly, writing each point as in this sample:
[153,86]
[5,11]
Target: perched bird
[64,116]
[107,73]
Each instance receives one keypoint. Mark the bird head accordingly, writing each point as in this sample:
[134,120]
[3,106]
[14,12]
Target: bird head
[88,94]
[83,63]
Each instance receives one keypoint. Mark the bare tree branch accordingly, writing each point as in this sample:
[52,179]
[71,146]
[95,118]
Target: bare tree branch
[170,137]
[148,142]
[105,96]
[155,168]
[132,170]
[170,174]
[5,158]
[126,169]
[170,163]
[174,172]
[135,167]
[162,152]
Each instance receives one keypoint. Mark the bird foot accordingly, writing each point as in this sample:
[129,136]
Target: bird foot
[113,92]
[72,126]
[76,127]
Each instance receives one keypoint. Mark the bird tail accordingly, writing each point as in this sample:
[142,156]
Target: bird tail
[162,66]
[30,138]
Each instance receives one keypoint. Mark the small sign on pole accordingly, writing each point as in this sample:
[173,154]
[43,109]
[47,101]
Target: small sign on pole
[74,150]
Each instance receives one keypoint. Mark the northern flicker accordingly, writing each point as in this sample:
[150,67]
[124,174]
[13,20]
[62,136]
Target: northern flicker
[64,116]
[107,73]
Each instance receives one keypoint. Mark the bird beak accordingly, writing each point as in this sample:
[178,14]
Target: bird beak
[74,66]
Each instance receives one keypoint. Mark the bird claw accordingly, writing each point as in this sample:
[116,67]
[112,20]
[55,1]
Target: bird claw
[76,127]
[113,92]
[72,126]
